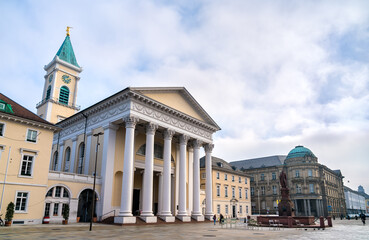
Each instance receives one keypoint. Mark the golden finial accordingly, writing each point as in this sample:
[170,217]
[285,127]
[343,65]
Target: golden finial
[68,30]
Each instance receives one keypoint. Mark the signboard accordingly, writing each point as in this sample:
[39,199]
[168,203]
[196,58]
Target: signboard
[329,208]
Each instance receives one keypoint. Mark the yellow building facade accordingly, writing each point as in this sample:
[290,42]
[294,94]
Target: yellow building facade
[25,148]
[231,189]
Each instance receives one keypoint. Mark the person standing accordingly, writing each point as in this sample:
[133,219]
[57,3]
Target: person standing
[215,218]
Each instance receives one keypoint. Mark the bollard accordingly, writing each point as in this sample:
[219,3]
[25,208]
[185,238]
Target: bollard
[329,221]
[290,219]
[321,222]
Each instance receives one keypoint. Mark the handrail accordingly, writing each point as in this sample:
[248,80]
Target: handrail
[101,218]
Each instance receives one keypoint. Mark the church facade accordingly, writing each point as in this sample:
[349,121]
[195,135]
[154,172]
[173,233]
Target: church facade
[143,145]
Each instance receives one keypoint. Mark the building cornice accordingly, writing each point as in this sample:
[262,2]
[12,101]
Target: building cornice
[56,59]
[28,122]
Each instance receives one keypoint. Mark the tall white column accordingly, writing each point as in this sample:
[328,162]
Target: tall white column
[88,150]
[160,193]
[125,213]
[73,155]
[165,213]
[176,200]
[196,212]
[60,157]
[107,165]
[209,182]
[190,179]
[182,213]
[147,197]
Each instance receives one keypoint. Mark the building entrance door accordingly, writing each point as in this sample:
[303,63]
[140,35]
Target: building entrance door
[136,202]
[84,205]
[234,211]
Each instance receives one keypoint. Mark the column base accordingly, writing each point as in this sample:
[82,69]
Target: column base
[209,216]
[184,218]
[168,218]
[198,218]
[149,219]
[125,220]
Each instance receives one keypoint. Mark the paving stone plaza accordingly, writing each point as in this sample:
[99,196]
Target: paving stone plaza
[342,229]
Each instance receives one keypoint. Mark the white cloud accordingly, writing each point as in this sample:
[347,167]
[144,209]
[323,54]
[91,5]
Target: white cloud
[273,74]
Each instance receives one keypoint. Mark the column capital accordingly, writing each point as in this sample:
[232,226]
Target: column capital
[74,138]
[131,121]
[183,139]
[196,143]
[168,134]
[151,128]
[209,147]
[159,174]
[89,133]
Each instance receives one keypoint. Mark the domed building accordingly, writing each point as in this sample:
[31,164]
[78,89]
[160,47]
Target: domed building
[315,189]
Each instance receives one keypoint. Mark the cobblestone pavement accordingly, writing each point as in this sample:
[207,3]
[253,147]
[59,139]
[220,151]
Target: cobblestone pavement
[342,229]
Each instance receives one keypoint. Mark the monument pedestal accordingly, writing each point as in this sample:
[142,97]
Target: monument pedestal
[285,206]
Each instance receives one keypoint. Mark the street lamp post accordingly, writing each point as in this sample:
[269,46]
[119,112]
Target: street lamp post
[93,189]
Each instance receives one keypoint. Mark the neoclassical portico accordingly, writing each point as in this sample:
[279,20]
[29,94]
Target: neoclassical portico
[152,142]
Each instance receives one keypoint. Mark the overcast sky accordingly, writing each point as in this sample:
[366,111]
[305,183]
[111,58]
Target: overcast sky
[272,74]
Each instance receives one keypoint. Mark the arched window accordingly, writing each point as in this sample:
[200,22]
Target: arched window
[64,95]
[55,161]
[56,199]
[48,92]
[81,154]
[67,160]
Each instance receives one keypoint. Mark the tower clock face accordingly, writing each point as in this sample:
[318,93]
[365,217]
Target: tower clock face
[50,78]
[66,79]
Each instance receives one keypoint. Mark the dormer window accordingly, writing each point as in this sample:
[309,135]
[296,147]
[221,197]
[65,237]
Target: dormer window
[220,164]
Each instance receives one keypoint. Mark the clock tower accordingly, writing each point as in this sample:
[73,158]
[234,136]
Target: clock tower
[61,81]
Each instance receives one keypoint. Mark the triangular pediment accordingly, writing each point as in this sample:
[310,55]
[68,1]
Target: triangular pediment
[179,99]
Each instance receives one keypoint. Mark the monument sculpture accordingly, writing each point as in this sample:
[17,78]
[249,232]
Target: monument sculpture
[285,206]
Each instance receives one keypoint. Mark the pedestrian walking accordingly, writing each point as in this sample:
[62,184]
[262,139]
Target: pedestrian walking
[215,218]
[362,216]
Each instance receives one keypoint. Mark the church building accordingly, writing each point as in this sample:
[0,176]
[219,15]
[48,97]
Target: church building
[142,143]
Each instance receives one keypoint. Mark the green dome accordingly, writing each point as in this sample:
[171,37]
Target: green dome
[300,151]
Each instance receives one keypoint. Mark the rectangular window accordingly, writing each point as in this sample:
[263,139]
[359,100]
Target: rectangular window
[233,193]
[252,191]
[218,209]
[298,188]
[2,129]
[31,136]
[263,205]
[232,178]
[2,106]
[63,207]
[225,176]
[217,175]
[218,190]
[311,186]
[245,180]
[274,176]
[226,191]
[226,209]
[262,177]
[252,178]
[47,210]
[297,173]
[246,194]
[21,202]
[247,209]
[262,190]
[27,164]
[203,175]
[239,180]
[58,191]
[310,173]
[274,189]
[240,209]
[56,209]
[240,192]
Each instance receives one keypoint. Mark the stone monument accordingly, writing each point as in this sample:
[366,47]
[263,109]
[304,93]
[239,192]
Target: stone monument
[285,206]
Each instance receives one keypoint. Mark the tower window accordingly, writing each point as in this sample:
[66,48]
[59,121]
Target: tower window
[48,92]
[64,95]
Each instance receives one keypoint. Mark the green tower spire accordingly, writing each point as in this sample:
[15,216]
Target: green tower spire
[66,52]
